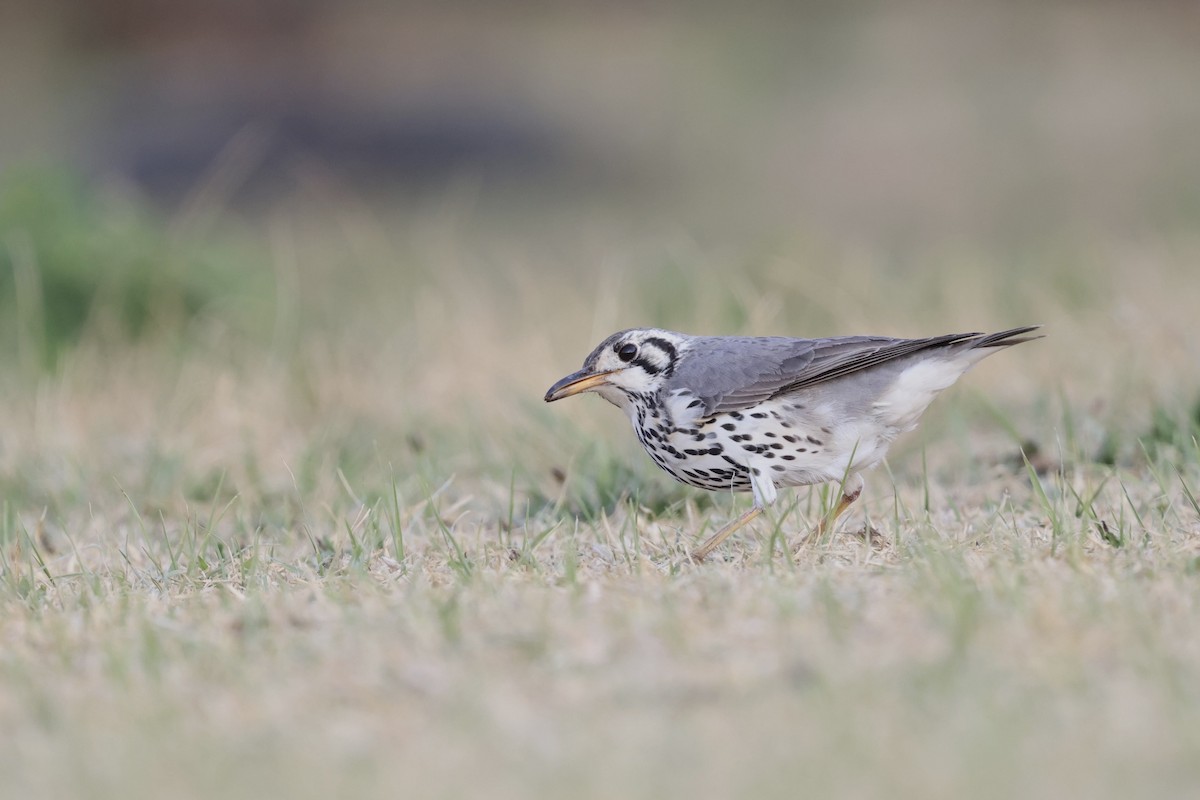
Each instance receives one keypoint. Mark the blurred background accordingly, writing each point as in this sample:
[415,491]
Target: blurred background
[407,207]
[897,123]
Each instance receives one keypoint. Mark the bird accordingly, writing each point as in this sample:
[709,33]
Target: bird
[738,413]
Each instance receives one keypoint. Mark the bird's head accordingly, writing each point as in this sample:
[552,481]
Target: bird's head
[626,364]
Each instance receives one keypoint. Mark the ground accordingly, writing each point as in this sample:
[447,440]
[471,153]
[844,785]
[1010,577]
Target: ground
[349,568]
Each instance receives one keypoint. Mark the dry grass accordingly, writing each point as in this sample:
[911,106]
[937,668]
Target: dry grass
[346,567]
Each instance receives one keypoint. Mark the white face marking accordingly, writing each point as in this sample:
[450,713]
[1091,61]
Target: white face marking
[618,398]
[635,379]
[638,363]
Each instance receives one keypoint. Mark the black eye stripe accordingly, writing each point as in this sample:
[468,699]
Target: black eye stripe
[668,350]
[653,369]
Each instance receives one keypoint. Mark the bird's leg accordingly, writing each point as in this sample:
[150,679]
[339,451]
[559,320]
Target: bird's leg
[827,522]
[851,488]
[701,552]
[764,495]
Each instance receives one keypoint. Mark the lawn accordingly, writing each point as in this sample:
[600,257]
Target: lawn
[373,561]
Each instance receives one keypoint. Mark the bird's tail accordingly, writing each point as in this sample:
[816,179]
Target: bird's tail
[1005,338]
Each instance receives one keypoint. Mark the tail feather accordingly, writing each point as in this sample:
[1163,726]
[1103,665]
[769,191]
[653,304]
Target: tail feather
[1006,338]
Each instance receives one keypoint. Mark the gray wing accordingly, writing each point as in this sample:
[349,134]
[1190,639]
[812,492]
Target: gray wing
[730,373]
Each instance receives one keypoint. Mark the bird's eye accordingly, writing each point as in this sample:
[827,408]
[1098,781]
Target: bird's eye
[627,351]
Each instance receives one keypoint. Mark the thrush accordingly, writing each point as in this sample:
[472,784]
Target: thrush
[732,413]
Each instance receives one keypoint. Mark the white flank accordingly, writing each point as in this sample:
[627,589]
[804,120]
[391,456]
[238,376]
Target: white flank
[904,402]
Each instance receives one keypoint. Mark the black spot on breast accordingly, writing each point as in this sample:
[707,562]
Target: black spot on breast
[729,426]
[778,467]
[814,440]
[735,414]
[738,467]
[694,403]
[759,415]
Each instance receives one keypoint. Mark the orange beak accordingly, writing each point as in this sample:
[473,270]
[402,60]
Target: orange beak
[575,383]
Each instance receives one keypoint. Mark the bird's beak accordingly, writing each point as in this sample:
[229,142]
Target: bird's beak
[577,382]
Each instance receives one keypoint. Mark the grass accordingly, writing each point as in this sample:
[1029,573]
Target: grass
[76,263]
[345,570]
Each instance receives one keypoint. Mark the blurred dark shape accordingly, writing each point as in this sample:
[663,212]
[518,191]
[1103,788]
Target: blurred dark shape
[168,151]
[898,125]
[259,82]
[1032,456]
[137,24]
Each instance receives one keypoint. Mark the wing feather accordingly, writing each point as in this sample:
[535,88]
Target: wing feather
[730,373]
